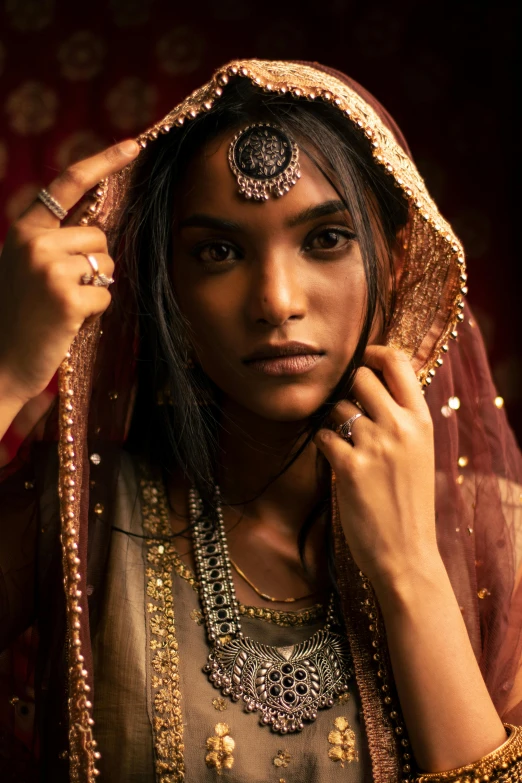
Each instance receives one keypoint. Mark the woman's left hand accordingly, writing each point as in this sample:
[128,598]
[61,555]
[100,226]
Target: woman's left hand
[385,477]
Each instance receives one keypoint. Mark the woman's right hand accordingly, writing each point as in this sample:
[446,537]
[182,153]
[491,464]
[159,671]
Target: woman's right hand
[42,301]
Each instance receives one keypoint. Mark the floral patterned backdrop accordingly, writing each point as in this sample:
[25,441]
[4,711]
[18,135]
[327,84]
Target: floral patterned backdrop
[74,78]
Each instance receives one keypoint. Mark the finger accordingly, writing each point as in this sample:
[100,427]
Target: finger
[73,183]
[361,427]
[94,302]
[398,375]
[372,394]
[337,451]
[74,239]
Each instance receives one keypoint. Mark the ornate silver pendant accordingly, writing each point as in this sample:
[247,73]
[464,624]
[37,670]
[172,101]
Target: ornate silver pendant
[264,161]
[286,685]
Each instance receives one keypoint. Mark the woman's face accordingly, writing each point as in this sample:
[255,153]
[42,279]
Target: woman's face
[275,292]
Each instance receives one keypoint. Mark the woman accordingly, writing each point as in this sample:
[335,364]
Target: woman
[244,430]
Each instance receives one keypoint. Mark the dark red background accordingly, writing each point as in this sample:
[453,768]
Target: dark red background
[75,77]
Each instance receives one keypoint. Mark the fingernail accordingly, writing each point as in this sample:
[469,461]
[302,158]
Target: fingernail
[129,148]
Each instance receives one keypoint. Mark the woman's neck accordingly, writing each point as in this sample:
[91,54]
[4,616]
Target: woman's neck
[263,515]
[253,451]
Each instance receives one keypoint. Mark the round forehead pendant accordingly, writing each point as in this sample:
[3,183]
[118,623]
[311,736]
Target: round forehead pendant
[264,161]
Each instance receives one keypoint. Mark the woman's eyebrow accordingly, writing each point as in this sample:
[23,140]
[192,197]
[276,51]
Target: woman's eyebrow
[200,220]
[320,210]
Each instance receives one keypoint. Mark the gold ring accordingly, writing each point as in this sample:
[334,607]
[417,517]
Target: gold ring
[94,265]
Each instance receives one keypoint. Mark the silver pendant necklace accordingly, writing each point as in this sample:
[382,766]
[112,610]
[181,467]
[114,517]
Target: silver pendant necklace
[285,685]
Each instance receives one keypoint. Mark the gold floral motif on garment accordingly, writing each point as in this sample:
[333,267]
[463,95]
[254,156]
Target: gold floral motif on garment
[220,748]
[282,759]
[342,739]
[197,616]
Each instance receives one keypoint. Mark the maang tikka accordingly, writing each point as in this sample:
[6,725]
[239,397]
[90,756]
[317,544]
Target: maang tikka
[264,160]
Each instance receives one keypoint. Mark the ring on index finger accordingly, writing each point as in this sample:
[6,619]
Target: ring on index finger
[52,205]
[345,429]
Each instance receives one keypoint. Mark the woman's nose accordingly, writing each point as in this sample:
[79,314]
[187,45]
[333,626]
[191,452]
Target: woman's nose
[278,292]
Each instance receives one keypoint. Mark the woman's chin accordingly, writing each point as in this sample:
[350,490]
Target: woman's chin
[288,404]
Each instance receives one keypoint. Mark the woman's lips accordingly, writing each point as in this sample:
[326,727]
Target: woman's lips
[285,365]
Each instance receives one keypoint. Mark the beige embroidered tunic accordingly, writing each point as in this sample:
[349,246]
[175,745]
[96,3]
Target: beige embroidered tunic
[158,719]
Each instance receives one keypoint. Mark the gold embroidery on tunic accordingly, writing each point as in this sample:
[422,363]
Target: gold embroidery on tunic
[219,704]
[166,697]
[344,697]
[197,616]
[343,740]
[282,759]
[180,568]
[220,749]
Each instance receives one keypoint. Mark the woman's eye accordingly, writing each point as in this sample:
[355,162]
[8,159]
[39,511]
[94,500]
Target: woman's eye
[216,252]
[331,239]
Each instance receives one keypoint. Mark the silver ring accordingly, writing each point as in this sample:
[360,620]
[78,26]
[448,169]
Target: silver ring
[100,280]
[52,205]
[345,429]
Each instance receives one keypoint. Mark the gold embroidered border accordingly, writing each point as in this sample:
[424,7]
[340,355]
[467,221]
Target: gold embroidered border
[166,695]
[74,389]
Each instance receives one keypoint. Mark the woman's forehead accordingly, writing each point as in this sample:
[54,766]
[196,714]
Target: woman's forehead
[210,186]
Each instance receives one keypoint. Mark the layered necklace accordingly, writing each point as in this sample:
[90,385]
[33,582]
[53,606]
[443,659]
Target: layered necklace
[285,685]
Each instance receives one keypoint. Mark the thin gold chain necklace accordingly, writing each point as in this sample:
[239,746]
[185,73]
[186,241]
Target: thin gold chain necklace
[264,595]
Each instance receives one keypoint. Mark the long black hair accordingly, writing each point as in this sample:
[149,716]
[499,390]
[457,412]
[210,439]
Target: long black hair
[182,433]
